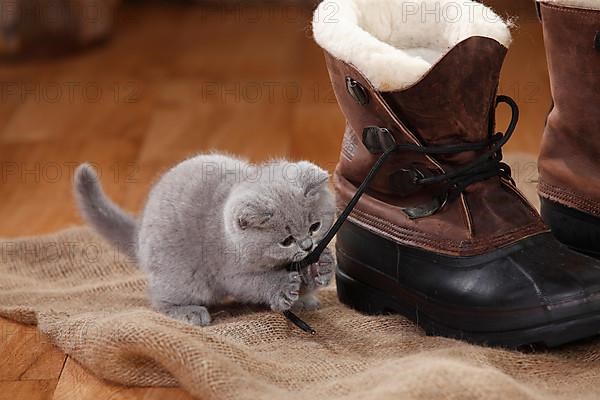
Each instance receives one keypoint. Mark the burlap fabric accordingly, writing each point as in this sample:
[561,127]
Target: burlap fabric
[90,301]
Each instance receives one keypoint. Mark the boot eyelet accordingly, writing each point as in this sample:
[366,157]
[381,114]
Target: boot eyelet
[377,140]
[424,210]
[406,181]
[357,91]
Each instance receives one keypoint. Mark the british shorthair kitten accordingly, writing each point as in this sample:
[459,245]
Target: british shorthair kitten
[216,228]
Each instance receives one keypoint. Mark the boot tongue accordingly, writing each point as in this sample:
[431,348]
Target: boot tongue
[454,103]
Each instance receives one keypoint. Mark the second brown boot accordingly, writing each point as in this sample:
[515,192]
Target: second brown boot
[569,161]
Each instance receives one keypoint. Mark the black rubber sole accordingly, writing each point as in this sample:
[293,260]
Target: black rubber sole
[578,230]
[371,301]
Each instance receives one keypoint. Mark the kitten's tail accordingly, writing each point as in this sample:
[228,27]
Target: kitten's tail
[108,219]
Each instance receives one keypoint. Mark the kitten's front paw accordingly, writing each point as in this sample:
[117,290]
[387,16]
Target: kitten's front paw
[192,314]
[308,302]
[289,292]
[321,273]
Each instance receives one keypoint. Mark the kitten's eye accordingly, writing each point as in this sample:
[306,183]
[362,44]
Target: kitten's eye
[314,227]
[287,242]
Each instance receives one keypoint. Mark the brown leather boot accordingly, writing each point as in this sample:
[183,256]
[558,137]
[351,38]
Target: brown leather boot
[569,161]
[441,235]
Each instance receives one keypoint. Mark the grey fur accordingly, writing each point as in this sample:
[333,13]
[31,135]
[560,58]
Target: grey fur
[99,211]
[214,228]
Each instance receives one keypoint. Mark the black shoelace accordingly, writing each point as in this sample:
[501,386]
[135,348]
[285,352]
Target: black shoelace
[379,140]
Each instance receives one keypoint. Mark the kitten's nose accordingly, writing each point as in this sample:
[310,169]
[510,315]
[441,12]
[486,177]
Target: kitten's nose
[306,244]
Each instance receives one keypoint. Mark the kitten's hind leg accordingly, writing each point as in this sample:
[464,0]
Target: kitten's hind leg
[192,314]
[176,298]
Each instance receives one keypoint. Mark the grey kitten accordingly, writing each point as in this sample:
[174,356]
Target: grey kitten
[216,228]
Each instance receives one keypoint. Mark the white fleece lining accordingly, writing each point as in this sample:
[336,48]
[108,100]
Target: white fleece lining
[395,42]
[588,4]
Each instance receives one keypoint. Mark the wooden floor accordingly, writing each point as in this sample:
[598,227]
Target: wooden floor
[174,81]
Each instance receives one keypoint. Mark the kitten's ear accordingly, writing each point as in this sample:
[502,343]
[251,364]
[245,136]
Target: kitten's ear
[313,178]
[252,215]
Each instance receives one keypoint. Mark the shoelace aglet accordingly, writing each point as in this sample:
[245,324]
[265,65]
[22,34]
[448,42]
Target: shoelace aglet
[298,322]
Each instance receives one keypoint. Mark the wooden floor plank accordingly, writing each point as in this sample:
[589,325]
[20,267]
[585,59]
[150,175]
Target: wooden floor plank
[36,187]
[27,390]
[77,384]
[26,354]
